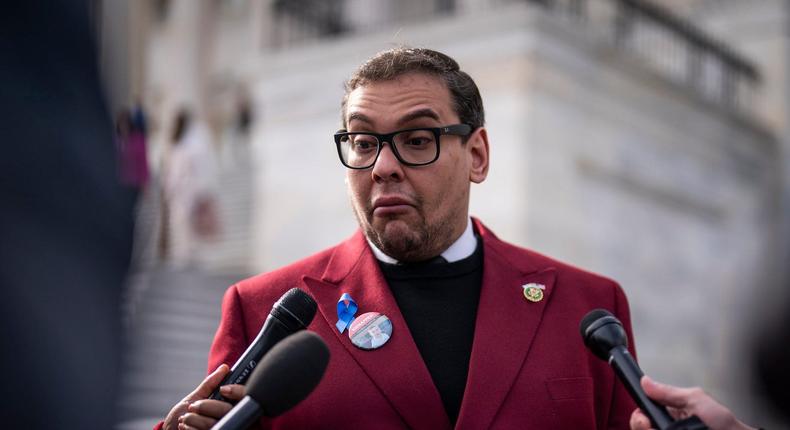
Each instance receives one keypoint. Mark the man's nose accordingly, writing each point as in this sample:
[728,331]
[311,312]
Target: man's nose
[387,166]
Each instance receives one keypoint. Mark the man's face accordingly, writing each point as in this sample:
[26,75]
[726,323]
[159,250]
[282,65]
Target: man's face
[413,213]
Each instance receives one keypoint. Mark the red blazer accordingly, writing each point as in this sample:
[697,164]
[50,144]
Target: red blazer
[529,368]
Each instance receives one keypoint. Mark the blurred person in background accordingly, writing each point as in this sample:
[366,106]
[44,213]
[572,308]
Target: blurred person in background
[236,151]
[65,224]
[133,159]
[139,118]
[189,184]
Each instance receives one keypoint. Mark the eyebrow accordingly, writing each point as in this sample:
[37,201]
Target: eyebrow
[356,116]
[421,113]
[411,116]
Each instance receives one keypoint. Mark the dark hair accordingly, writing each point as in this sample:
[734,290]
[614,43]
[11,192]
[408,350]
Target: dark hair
[392,63]
[123,123]
[183,118]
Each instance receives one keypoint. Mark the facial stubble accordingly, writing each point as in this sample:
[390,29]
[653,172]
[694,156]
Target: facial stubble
[417,240]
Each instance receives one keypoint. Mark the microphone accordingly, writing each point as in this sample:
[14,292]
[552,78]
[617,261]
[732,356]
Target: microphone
[286,375]
[292,312]
[605,336]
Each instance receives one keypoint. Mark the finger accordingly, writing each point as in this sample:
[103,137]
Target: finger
[639,421]
[180,408]
[232,391]
[210,408]
[210,383]
[678,414]
[667,394]
[196,421]
[187,427]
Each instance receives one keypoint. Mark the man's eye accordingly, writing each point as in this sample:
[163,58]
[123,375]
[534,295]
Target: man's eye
[415,140]
[418,142]
[362,145]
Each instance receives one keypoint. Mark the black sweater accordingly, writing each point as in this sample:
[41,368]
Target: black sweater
[439,304]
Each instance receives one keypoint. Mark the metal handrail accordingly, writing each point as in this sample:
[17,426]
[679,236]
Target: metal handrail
[709,66]
[693,35]
[695,58]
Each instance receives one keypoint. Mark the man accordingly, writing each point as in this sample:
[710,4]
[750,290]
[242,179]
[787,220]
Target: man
[483,334]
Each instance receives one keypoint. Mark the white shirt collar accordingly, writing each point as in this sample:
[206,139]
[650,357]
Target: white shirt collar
[460,249]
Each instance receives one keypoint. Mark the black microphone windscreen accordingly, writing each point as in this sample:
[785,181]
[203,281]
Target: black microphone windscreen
[602,331]
[606,337]
[590,318]
[299,304]
[288,372]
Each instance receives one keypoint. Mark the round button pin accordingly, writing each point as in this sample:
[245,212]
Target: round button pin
[534,292]
[370,330]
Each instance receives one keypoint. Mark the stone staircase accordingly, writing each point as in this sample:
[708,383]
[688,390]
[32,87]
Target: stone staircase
[169,330]
[171,314]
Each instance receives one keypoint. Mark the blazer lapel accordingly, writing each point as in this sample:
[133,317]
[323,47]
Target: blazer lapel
[506,325]
[397,368]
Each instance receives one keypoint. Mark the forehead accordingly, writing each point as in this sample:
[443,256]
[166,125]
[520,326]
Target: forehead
[393,102]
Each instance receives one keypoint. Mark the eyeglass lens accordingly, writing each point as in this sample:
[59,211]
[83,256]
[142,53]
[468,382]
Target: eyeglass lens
[413,146]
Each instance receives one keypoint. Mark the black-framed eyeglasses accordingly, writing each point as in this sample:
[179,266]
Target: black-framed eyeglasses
[412,147]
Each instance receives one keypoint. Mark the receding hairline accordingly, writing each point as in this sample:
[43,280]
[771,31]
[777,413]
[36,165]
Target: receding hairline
[409,116]
[357,81]
[393,63]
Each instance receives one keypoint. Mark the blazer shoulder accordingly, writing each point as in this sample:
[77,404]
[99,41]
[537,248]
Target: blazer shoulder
[271,285]
[577,289]
[528,260]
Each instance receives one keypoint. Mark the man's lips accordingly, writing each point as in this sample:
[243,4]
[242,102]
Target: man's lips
[390,205]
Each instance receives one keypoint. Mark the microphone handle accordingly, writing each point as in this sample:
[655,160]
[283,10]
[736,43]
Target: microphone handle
[273,331]
[629,373]
[241,416]
[691,423]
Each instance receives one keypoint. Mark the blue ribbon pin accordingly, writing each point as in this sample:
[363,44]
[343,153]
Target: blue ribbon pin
[346,308]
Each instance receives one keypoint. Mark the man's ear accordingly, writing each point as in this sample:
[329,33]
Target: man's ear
[477,148]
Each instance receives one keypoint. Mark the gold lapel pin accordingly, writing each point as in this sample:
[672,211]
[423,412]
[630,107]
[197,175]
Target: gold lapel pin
[534,292]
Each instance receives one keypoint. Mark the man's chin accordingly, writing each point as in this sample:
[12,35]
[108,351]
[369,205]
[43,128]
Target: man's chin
[397,238]
[392,228]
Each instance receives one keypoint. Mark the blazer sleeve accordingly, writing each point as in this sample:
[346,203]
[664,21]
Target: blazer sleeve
[231,339]
[622,403]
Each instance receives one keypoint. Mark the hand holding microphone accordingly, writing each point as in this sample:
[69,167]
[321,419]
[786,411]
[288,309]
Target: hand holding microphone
[684,402]
[199,412]
[285,377]
[215,396]
[692,409]
[605,336]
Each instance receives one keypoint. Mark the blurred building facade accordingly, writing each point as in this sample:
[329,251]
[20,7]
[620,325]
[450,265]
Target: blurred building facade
[646,141]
